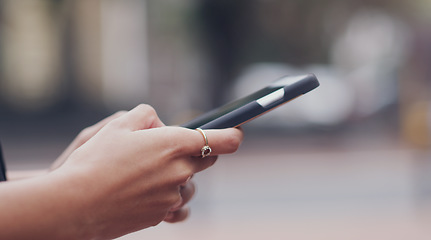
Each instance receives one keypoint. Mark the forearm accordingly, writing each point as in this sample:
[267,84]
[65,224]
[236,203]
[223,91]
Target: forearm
[38,208]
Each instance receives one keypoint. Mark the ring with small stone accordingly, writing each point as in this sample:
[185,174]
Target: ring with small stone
[205,150]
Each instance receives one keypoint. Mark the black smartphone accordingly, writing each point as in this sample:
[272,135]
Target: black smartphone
[245,109]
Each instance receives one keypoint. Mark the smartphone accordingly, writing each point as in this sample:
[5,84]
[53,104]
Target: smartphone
[256,104]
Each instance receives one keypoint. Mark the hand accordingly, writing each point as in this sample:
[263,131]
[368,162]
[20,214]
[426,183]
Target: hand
[128,176]
[176,214]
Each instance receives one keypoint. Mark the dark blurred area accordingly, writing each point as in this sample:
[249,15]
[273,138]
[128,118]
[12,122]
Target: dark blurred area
[353,154]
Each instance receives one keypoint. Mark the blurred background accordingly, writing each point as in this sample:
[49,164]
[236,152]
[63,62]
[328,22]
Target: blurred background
[350,160]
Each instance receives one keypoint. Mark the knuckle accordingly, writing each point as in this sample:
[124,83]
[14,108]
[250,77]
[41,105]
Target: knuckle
[115,123]
[85,134]
[119,113]
[146,108]
[147,113]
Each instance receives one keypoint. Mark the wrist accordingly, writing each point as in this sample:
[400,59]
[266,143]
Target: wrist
[44,206]
[74,204]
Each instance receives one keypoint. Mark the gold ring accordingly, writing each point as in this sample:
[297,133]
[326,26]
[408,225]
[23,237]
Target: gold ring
[205,150]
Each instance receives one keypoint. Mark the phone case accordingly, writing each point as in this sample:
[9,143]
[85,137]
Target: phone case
[245,109]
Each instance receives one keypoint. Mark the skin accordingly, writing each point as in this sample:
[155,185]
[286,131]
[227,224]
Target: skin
[126,173]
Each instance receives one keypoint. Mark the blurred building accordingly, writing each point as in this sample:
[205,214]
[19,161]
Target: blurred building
[99,55]
[189,56]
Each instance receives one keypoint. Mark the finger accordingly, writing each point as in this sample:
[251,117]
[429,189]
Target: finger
[89,132]
[188,142]
[177,216]
[199,164]
[223,141]
[96,127]
[141,117]
[187,191]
